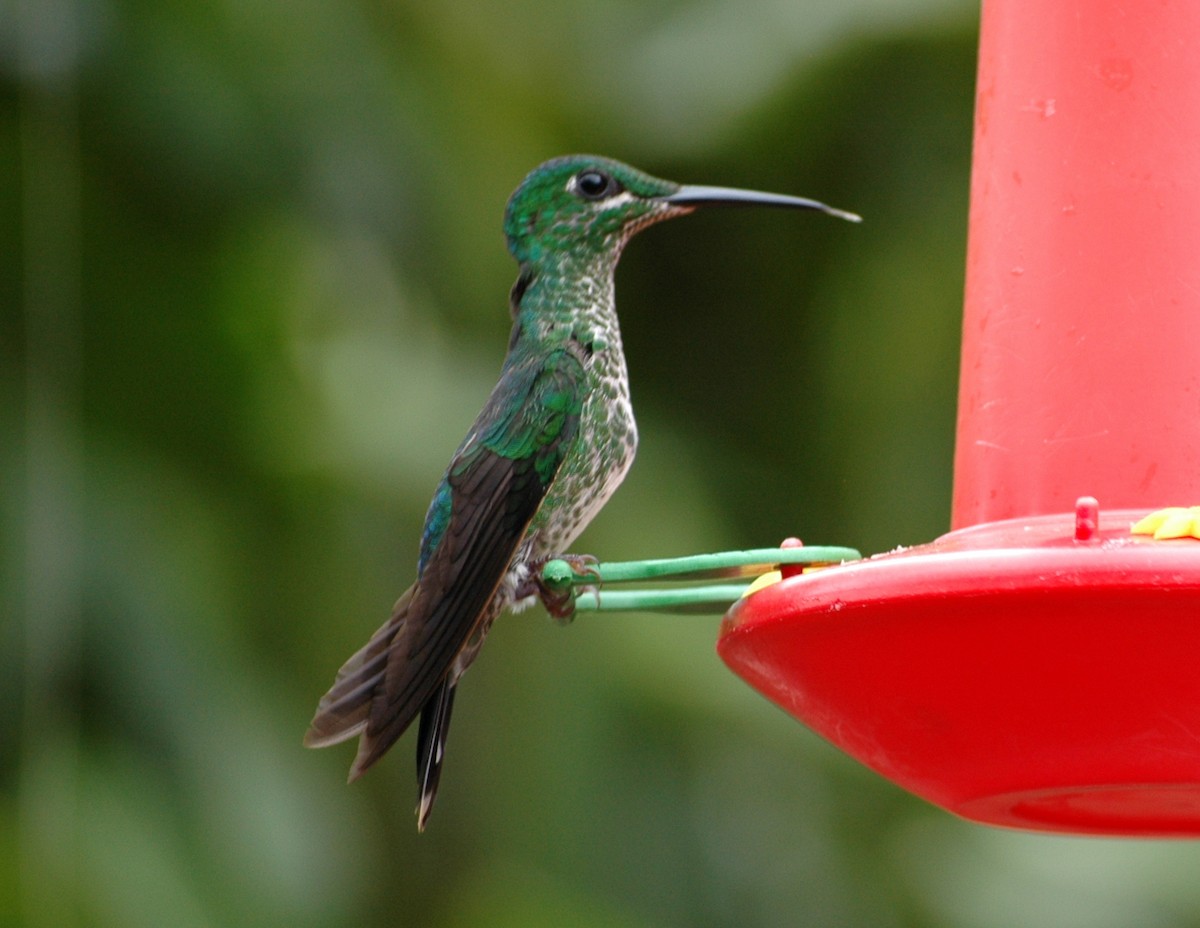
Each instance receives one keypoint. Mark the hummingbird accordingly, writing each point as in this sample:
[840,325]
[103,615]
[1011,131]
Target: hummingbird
[552,443]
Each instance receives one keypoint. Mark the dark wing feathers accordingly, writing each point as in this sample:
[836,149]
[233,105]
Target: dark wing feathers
[497,481]
[342,712]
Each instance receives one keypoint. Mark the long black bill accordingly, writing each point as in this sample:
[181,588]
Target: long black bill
[692,195]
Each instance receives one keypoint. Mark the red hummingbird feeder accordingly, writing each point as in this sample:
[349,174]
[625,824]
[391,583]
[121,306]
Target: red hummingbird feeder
[1039,666]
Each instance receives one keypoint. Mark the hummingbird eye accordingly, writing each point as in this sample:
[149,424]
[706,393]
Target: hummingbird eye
[595,185]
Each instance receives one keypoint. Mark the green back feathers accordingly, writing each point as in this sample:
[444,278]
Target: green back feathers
[529,421]
[541,428]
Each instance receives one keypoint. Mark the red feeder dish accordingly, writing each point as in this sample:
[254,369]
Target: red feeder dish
[1037,668]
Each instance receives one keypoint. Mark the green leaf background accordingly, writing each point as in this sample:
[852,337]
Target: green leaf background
[252,292]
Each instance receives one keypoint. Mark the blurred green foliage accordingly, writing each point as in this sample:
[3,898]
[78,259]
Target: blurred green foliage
[252,291]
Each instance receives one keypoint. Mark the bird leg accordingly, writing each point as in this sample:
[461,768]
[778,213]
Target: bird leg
[558,594]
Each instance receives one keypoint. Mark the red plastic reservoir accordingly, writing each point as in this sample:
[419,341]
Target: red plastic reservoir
[1081,325]
[1037,667]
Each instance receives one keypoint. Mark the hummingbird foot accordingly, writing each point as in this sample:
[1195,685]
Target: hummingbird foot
[557,590]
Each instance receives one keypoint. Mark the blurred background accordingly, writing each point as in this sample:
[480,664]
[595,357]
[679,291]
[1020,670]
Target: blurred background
[252,293]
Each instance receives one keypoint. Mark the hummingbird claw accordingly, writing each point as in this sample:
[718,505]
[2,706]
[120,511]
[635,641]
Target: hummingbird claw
[557,589]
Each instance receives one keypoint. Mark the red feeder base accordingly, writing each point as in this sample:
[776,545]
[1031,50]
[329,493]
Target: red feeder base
[1039,673]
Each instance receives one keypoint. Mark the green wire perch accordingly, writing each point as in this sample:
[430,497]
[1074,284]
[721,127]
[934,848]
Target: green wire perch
[593,594]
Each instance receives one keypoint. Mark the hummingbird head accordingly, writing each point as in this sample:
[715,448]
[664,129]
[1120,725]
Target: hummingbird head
[582,206]
[586,207]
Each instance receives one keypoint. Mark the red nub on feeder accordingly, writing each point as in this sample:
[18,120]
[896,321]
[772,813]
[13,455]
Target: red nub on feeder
[1036,667]
[791,570]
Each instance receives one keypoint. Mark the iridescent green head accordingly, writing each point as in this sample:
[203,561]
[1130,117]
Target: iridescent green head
[586,207]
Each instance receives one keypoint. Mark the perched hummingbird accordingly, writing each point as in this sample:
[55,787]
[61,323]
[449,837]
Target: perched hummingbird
[552,443]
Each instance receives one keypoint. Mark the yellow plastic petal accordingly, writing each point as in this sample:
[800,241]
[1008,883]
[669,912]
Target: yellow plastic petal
[1172,522]
[763,580]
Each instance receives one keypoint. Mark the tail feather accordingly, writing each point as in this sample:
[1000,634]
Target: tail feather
[342,712]
[431,747]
